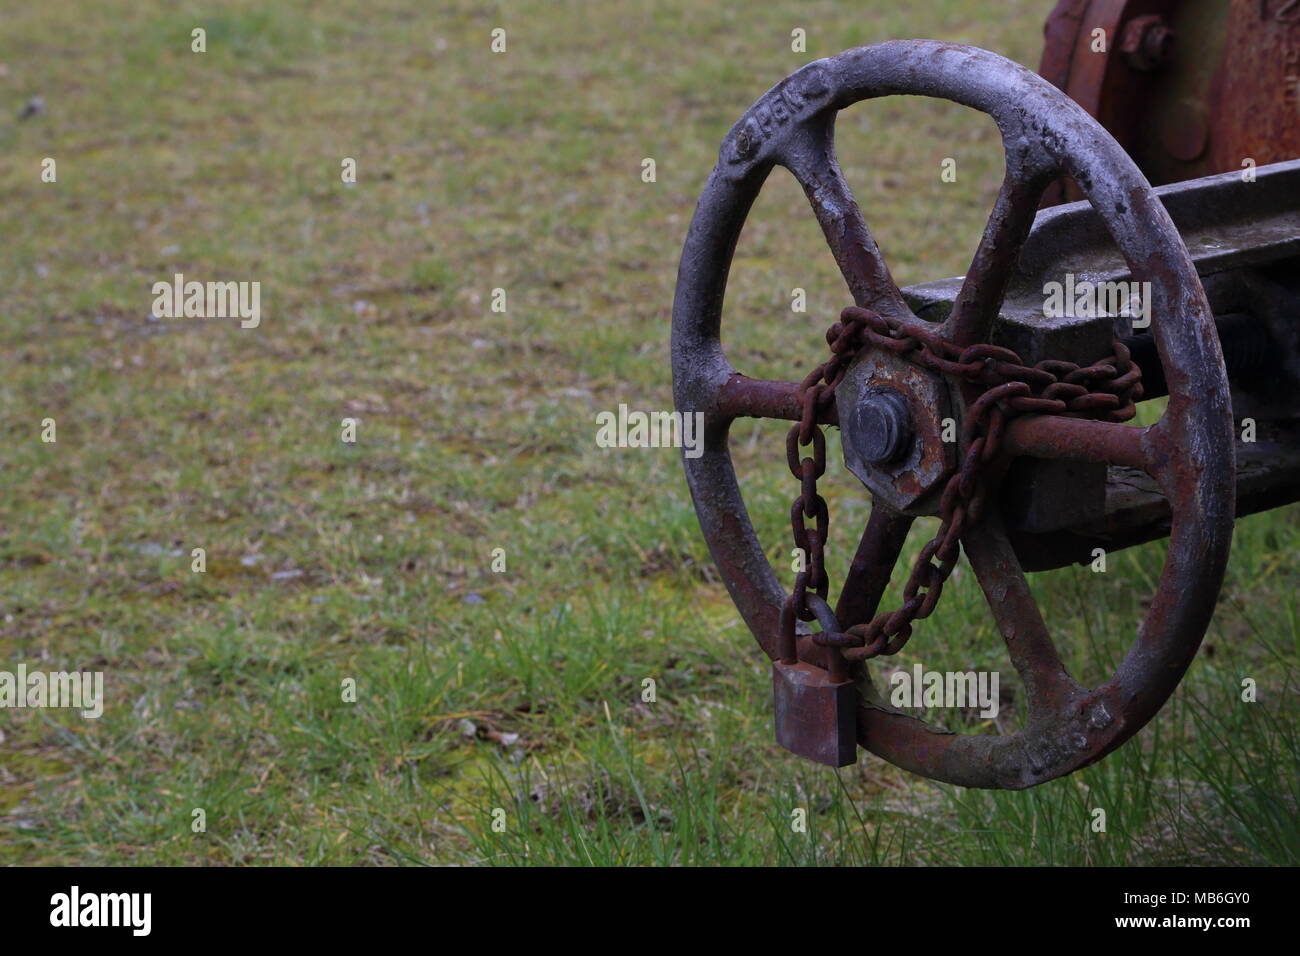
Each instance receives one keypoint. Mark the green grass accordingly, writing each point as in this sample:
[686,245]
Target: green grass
[477,690]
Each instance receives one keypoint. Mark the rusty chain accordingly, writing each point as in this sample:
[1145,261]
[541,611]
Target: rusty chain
[1105,390]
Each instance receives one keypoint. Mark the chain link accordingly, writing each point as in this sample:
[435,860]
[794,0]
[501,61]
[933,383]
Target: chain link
[1106,390]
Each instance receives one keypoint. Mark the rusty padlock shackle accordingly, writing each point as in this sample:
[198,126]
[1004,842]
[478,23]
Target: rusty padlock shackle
[837,666]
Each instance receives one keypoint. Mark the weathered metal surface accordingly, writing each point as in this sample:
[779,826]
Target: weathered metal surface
[1254,98]
[1189,453]
[1147,42]
[1268,476]
[815,710]
[1189,88]
[905,482]
[1244,238]
[882,424]
[1038,493]
[742,397]
[815,718]
[1225,223]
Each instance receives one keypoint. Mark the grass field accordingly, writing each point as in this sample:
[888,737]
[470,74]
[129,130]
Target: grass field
[480,690]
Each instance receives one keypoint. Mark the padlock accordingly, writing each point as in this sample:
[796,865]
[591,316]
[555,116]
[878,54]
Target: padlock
[816,710]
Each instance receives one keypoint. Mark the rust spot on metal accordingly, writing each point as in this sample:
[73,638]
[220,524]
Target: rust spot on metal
[1189,88]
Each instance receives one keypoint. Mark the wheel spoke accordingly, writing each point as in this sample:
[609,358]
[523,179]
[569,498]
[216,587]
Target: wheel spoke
[1084,439]
[811,158]
[868,576]
[985,284]
[1029,644]
[742,397]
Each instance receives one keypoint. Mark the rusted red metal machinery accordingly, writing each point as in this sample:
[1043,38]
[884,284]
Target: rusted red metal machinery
[1189,88]
[1042,468]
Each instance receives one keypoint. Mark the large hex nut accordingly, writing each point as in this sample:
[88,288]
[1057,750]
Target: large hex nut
[892,428]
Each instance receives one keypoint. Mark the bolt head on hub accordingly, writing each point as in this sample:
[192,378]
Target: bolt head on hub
[883,425]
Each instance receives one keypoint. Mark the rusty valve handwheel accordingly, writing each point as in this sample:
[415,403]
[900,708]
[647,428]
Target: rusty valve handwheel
[1189,452]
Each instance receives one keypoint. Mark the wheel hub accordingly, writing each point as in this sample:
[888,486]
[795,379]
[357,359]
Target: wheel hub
[892,427]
